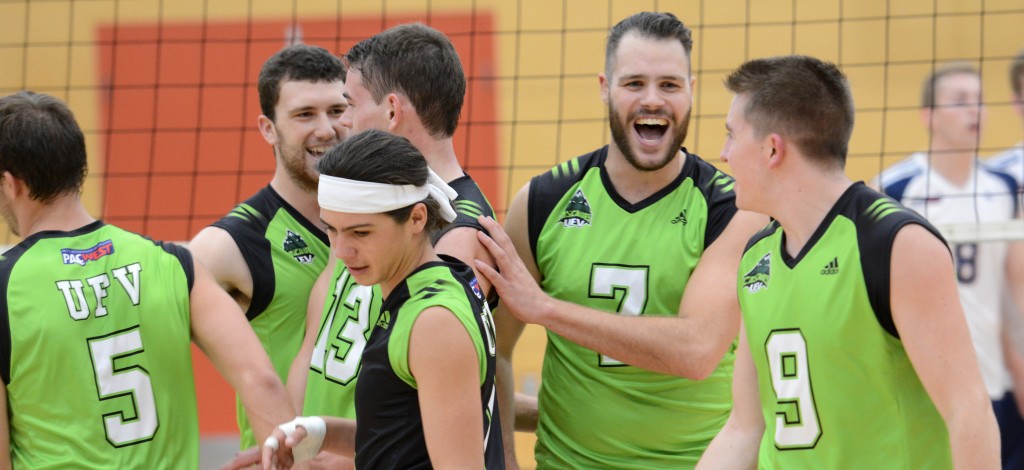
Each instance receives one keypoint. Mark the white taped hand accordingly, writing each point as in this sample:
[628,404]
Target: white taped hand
[309,446]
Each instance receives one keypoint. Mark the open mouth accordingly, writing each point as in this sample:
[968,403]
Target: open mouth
[651,129]
[317,152]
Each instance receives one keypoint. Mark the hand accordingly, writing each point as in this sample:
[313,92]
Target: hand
[519,292]
[244,459]
[303,437]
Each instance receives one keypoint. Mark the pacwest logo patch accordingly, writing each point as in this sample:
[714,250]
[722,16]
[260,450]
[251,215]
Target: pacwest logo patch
[80,257]
[294,245]
[473,284]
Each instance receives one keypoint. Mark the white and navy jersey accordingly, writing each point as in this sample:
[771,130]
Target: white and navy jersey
[1010,162]
[987,196]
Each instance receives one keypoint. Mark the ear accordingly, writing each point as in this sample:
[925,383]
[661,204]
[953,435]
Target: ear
[926,118]
[418,218]
[394,110]
[775,150]
[12,186]
[603,80]
[267,129]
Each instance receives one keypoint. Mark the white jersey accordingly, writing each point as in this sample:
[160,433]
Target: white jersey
[1010,162]
[989,196]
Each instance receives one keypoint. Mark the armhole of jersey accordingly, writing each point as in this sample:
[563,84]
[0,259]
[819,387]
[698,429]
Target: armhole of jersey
[185,258]
[10,258]
[256,252]
[718,190]
[1012,186]
[876,244]
[547,188]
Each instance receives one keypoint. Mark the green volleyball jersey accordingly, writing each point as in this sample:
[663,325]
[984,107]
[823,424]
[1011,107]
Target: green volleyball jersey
[837,389]
[95,351]
[349,314]
[595,249]
[285,253]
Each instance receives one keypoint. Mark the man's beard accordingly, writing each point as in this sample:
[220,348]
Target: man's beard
[295,165]
[619,136]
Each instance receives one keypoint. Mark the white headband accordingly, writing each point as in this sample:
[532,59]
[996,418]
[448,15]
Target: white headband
[362,197]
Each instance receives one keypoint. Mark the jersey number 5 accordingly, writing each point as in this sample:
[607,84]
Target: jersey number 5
[139,422]
[796,418]
[608,281]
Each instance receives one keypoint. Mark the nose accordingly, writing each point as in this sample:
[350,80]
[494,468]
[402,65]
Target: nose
[650,98]
[346,119]
[725,151]
[342,251]
[325,129]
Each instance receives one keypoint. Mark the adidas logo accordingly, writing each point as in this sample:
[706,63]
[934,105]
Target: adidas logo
[831,268]
[577,212]
[384,320]
[680,219]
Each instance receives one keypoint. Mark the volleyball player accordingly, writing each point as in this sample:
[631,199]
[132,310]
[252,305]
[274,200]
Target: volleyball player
[854,352]
[425,396]
[96,322]
[268,251]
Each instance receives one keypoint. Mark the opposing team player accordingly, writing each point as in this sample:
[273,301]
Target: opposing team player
[948,185]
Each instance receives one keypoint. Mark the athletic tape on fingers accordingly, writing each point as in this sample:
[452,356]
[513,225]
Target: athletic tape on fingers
[309,446]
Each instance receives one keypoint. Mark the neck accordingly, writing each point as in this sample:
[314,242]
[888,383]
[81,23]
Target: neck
[440,155]
[66,213]
[803,201]
[303,201]
[636,185]
[954,164]
[423,253]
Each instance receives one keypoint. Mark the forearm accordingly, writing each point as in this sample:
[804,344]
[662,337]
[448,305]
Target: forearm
[974,439]
[505,381]
[732,448]
[526,413]
[265,400]
[341,436]
[297,376]
[666,344]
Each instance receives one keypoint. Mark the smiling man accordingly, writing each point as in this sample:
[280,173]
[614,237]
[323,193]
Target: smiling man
[635,246]
[268,251]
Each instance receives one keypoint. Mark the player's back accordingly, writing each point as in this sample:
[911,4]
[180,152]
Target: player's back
[96,351]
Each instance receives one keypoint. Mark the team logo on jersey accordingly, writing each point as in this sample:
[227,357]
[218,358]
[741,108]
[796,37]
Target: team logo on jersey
[680,219]
[80,257]
[473,284]
[384,320]
[757,278]
[831,268]
[294,245]
[577,213]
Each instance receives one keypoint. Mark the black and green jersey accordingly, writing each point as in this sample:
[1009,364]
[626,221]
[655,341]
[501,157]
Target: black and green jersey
[351,310]
[837,389]
[389,433]
[95,351]
[285,253]
[595,249]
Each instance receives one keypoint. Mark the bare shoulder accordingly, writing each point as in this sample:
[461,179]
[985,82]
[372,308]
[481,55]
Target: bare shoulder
[214,247]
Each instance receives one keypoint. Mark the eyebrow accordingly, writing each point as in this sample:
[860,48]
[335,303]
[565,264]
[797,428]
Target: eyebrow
[659,77]
[353,227]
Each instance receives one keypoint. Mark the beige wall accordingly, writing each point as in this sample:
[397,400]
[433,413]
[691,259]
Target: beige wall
[549,54]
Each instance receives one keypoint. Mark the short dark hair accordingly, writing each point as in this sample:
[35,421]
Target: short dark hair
[931,82]
[648,25]
[420,63]
[298,62]
[804,98]
[381,157]
[42,145]
[1017,73]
